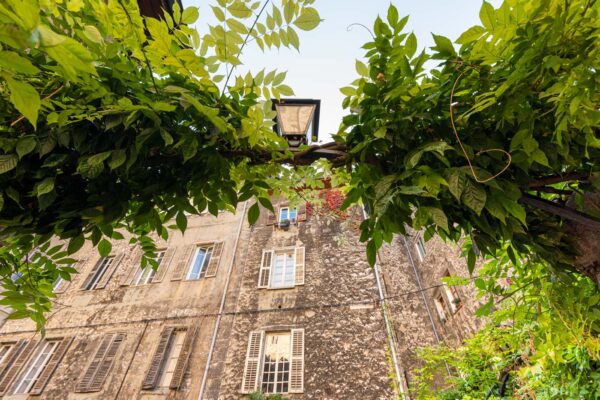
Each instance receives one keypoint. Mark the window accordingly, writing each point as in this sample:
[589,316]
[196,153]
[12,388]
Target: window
[420,246]
[282,268]
[440,307]
[286,213]
[35,367]
[99,368]
[145,276]
[274,362]
[98,272]
[58,284]
[452,295]
[171,358]
[282,274]
[199,263]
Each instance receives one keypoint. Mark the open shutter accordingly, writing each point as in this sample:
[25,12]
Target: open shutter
[9,359]
[264,275]
[272,216]
[161,350]
[299,268]
[252,366]
[19,360]
[297,362]
[184,358]
[215,259]
[132,269]
[90,275]
[164,265]
[110,271]
[302,212]
[51,366]
[182,263]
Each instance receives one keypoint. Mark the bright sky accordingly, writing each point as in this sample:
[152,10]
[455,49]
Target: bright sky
[326,61]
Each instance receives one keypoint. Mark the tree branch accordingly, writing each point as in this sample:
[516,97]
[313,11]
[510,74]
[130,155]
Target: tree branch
[561,211]
[568,177]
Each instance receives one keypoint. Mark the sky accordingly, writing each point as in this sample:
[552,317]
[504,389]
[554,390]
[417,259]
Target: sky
[326,60]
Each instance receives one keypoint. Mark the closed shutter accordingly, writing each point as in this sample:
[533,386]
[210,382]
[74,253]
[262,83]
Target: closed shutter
[184,358]
[90,275]
[110,271]
[164,265]
[297,362]
[51,366]
[98,370]
[264,275]
[182,262]
[252,366]
[272,217]
[152,375]
[302,212]
[215,259]
[132,269]
[23,355]
[10,358]
[299,268]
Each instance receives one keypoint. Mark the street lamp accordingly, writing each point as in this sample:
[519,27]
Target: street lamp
[297,120]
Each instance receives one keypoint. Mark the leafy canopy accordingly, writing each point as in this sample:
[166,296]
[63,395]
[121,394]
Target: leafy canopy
[507,120]
[113,122]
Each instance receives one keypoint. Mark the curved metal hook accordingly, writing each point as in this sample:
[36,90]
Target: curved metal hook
[349,28]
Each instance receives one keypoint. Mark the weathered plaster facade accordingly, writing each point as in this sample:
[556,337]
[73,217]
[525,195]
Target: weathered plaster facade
[346,344]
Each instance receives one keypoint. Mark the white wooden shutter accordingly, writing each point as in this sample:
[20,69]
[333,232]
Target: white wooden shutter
[183,263]
[264,275]
[164,265]
[215,259]
[110,271]
[131,268]
[299,267]
[297,361]
[252,366]
[184,358]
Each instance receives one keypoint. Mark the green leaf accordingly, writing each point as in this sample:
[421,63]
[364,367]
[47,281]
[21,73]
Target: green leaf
[104,248]
[361,68]
[438,217]
[471,260]
[24,97]
[485,309]
[253,214]
[392,15]
[266,203]
[410,47]
[117,158]
[45,186]
[371,252]
[293,38]
[308,20]
[25,145]
[471,34]
[239,10]
[487,16]
[218,13]
[443,45]
[14,62]
[190,15]
[456,183]
[8,162]
[75,244]
[181,221]
[474,197]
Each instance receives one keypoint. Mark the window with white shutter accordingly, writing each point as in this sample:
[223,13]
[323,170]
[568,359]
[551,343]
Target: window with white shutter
[282,268]
[98,370]
[274,362]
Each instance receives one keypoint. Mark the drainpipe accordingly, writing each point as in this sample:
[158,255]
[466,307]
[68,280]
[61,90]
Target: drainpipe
[420,285]
[137,346]
[388,326]
[222,306]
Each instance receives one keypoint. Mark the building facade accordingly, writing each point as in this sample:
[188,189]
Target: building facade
[288,305]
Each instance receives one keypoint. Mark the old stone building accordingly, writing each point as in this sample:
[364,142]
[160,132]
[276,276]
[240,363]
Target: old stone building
[288,305]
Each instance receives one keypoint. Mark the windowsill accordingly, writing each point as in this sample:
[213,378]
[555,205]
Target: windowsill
[280,287]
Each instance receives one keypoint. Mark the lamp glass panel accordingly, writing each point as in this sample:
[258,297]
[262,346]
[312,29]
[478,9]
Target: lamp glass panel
[294,119]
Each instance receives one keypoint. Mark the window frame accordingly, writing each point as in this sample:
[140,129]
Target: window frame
[100,271]
[149,271]
[171,357]
[276,372]
[285,252]
[421,249]
[289,212]
[32,362]
[209,248]
[451,294]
